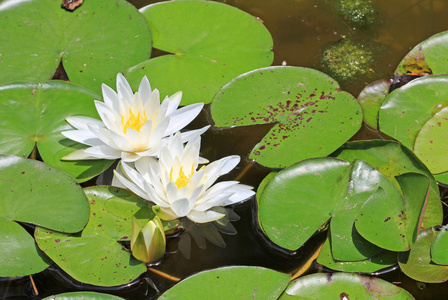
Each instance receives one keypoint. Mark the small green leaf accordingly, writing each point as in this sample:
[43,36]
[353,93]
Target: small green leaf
[303,105]
[377,262]
[417,263]
[207,44]
[371,98]
[236,282]
[439,253]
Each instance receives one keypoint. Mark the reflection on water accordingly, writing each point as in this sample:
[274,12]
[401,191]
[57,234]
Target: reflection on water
[301,29]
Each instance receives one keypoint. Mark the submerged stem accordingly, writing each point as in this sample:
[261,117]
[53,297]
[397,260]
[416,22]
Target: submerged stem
[308,263]
[167,276]
[244,171]
[34,285]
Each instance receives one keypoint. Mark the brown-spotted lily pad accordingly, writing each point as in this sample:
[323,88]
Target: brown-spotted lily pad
[310,115]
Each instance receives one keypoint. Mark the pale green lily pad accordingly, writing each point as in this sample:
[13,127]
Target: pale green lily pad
[343,286]
[393,159]
[34,114]
[439,247]
[372,264]
[39,34]
[371,98]
[431,142]
[428,57]
[235,282]
[82,296]
[95,256]
[34,192]
[207,44]
[305,107]
[417,263]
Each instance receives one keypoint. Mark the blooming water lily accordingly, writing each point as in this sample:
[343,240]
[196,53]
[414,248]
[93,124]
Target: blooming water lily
[132,125]
[178,188]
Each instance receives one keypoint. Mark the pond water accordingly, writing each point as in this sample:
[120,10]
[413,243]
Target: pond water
[301,30]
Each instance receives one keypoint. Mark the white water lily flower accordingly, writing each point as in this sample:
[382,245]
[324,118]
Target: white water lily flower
[132,125]
[178,188]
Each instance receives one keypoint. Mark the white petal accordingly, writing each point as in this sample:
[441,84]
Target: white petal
[152,105]
[144,89]
[123,88]
[110,98]
[182,117]
[80,122]
[181,207]
[242,192]
[217,200]
[192,134]
[78,155]
[103,152]
[129,157]
[154,196]
[204,217]
[173,102]
[131,186]
[82,136]
[111,118]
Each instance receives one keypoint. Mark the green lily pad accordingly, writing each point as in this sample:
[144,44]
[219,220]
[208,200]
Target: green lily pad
[371,98]
[417,262]
[235,282]
[413,115]
[393,159]
[428,57]
[343,286]
[304,106]
[396,227]
[82,296]
[39,34]
[207,44]
[34,192]
[439,253]
[430,143]
[34,114]
[95,256]
[300,199]
[372,264]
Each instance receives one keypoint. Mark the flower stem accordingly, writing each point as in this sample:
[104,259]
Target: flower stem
[244,171]
[167,276]
[34,285]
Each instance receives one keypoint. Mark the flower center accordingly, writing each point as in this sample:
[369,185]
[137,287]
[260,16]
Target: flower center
[183,179]
[134,121]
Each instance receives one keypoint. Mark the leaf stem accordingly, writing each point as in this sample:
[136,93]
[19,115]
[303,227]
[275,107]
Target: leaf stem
[244,171]
[34,285]
[167,276]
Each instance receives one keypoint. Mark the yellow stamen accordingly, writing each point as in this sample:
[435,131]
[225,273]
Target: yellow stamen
[183,179]
[134,122]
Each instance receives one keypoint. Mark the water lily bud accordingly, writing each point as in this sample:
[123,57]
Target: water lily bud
[148,243]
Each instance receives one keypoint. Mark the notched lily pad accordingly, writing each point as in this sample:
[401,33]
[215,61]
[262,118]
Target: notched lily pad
[34,114]
[304,106]
[207,44]
[32,49]
[94,256]
[34,192]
